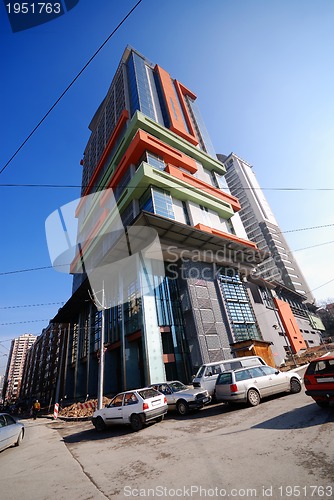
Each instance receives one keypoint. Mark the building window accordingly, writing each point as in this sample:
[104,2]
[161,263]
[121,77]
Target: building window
[154,160]
[157,201]
[186,213]
[238,307]
[206,219]
[96,331]
[219,181]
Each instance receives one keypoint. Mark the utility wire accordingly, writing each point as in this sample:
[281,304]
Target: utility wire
[17,271]
[32,305]
[40,320]
[68,87]
[75,186]
[22,322]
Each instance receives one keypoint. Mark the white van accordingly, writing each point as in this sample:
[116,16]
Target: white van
[207,374]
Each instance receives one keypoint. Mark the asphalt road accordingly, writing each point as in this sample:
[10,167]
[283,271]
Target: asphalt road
[283,448]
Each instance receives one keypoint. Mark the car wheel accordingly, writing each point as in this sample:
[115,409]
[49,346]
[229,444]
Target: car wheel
[99,424]
[253,397]
[295,386]
[159,419]
[182,407]
[19,438]
[136,422]
[322,404]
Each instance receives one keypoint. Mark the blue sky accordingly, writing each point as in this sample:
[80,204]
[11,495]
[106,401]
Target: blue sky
[263,73]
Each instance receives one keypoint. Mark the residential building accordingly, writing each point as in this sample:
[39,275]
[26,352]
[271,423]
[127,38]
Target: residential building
[284,318]
[150,146]
[44,366]
[262,228]
[15,366]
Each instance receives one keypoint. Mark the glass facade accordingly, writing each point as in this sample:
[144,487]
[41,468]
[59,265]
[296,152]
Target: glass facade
[238,307]
[169,313]
[200,127]
[142,88]
[157,201]
[155,160]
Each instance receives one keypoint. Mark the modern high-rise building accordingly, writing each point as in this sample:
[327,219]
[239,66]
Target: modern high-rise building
[15,366]
[149,145]
[262,228]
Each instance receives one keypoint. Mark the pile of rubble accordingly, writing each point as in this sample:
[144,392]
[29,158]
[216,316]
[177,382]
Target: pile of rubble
[307,356]
[85,409]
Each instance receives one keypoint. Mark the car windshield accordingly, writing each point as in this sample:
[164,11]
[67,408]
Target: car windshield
[177,386]
[200,372]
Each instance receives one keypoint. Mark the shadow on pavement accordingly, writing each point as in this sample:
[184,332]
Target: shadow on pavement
[299,418]
[93,435]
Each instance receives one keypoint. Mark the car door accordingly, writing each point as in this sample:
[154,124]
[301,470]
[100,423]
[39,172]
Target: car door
[113,413]
[210,377]
[170,396]
[4,438]
[260,380]
[223,384]
[277,381]
[12,429]
[130,405]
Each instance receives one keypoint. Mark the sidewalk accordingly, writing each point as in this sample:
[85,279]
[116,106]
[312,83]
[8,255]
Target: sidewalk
[42,468]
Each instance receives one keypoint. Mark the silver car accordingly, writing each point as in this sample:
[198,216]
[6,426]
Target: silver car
[250,385]
[11,432]
[182,398]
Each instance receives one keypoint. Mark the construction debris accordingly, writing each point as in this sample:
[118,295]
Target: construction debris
[86,409]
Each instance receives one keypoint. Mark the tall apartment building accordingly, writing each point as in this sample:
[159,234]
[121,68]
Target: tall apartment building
[15,366]
[150,146]
[43,366]
[262,228]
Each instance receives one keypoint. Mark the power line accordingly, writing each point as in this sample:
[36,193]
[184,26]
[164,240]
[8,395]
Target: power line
[312,246]
[305,229]
[43,320]
[324,284]
[75,186]
[68,87]
[31,269]
[31,305]
[22,322]
[17,271]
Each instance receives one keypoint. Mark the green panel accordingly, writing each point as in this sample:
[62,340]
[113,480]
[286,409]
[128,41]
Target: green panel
[316,322]
[147,175]
[141,121]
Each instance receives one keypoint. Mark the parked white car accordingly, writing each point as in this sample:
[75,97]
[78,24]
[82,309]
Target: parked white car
[207,374]
[183,398]
[250,385]
[11,432]
[136,408]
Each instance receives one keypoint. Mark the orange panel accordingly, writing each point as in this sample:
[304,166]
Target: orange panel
[143,141]
[114,136]
[290,325]
[229,236]
[181,92]
[193,181]
[168,358]
[173,107]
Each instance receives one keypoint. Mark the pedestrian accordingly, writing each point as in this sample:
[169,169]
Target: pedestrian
[36,407]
